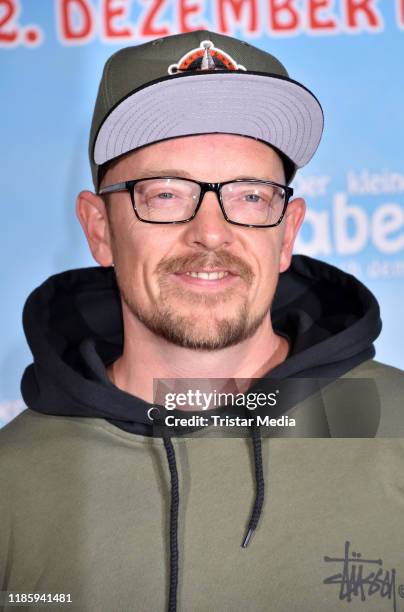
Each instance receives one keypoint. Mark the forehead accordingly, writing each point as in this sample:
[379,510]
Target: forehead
[211,157]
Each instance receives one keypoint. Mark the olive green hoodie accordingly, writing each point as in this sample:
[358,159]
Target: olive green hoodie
[96,507]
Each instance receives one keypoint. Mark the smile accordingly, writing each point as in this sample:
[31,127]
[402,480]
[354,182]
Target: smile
[208,275]
[207,279]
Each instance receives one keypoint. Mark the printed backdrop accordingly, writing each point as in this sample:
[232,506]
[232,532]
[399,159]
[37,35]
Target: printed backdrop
[348,52]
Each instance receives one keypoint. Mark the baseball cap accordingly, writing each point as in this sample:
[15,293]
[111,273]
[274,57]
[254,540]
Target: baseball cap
[201,82]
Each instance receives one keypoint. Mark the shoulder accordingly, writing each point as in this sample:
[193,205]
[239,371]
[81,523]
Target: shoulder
[32,442]
[382,385]
[376,369]
[22,429]
[25,441]
[32,429]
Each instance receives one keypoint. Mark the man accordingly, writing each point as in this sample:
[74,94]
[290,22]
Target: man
[195,139]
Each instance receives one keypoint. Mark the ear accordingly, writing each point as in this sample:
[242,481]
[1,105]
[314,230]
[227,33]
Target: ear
[92,214]
[293,220]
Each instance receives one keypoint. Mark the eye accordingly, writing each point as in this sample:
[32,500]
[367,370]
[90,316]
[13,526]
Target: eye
[252,197]
[165,195]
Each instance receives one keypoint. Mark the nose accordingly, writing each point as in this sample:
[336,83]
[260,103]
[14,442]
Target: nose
[209,229]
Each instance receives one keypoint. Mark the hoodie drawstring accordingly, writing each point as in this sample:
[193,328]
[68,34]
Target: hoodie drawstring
[174,505]
[175,498]
[259,484]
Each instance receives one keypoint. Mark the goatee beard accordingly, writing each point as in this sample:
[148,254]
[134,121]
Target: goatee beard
[182,331]
[185,330]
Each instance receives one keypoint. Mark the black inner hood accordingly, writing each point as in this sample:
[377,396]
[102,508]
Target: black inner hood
[73,324]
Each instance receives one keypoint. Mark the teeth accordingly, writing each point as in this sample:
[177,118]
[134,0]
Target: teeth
[208,275]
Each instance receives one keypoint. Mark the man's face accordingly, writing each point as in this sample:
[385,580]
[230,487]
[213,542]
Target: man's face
[156,264]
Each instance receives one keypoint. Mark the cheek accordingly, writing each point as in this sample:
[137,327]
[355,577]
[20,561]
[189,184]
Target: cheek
[128,255]
[137,253]
[268,255]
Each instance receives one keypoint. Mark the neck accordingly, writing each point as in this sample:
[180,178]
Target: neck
[147,357]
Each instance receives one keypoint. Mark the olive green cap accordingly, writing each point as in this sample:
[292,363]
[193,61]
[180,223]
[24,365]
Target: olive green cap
[200,83]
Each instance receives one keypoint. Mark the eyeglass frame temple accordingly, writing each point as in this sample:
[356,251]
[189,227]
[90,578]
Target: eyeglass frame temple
[204,187]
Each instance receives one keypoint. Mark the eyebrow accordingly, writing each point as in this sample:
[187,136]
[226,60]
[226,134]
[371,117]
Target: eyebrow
[169,172]
[184,174]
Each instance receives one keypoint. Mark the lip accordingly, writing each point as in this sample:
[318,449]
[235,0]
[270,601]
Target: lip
[203,283]
[207,270]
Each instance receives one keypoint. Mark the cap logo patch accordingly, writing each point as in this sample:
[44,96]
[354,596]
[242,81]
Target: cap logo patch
[205,57]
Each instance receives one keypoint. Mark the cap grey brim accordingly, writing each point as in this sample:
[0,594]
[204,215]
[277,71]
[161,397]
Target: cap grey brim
[275,110]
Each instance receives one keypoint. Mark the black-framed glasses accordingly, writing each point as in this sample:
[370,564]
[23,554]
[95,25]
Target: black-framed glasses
[171,199]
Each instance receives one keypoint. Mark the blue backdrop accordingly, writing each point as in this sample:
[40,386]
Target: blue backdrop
[348,52]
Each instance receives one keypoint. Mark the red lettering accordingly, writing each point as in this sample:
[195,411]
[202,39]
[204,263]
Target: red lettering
[400,13]
[314,20]
[283,16]
[237,8]
[148,27]
[111,13]
[185,10]
[8,12]
[357,9]
[76,20]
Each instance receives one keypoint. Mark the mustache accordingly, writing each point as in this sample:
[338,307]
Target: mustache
[220,259]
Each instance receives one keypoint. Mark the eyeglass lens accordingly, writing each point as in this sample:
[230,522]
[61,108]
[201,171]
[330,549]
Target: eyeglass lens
[170,199]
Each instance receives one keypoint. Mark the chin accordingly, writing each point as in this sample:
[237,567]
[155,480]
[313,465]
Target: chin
[203,333]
